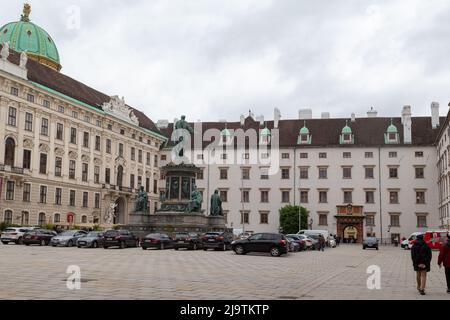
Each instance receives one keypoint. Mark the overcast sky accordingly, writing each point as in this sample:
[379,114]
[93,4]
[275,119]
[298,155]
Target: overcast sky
[217,59]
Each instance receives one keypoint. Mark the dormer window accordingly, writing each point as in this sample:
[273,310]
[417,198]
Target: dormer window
[391,136]
[347,136]
[304,136]
[225,137]
[265,136]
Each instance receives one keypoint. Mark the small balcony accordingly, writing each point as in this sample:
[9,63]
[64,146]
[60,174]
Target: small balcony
[12,170]
[117,188]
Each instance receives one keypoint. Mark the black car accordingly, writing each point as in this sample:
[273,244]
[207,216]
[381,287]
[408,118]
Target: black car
[187,240]
[370,242]
[217,241]
[160,241]
[39,236]
[119,238]
[275,244]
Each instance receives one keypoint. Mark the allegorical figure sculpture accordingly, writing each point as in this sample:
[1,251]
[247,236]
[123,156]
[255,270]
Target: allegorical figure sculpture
[5,51]
[216,204]
[195,204]
[23,60]
[179,136]
[111,213]
[141,204]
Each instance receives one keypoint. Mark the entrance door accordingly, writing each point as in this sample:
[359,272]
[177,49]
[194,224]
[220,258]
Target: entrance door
[350,234]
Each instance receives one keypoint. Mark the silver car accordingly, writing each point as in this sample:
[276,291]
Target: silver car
[93,239]
[68,238]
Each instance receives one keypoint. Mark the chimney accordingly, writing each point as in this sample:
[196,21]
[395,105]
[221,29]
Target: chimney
[162,124]
[305,114]
[242,120]
[435,115]
[407,123]
[276,117]
[353,117]
[326,115]
[260,119]
[372,113]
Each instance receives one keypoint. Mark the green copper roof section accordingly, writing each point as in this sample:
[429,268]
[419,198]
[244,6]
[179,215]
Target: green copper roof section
[304,130]
[265,132]
[225,132]
[346,129]
[392,128]
[40,86]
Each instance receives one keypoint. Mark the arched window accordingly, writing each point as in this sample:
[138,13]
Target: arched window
[8,217]
[25,218]
[10,150]
[57,218]
[84,219]
[41,220]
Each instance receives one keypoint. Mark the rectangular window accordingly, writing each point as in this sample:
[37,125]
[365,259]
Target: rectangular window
[420,174]
[12,116]
[28,121]
[420,197]
[72,168]
[44,127]
[120,149]
[304,173]
[155,186]
[58,196]
[395,220]
[393,197]
[140,156]
[245,174]
[163,157]
[347,173]
[285,197]
[245,196]
[14,91]
[98,143]
[323,220]
[108,175]
[200,174]
[264,174]
[285,156]
[147,160]
[30,98]
[27,159]
[368,155]
[370,220]
[96,174]
[322,155]
[72,198]
[323,197]
[26,192]
[347,155]
[285,173]
[75,114]
[422,221]
[97,201]
[133,154]
[155,161]
[323,173]
[85,199]
[86,139]
[245,217]
[43,194]
[303,156]
[43,164]
[98,123]
[61,109]
[264,196]
[393,173]
[58,167]
[348,197]
[370,197]
[10,185]
[392,154]
[224,195]
[132,181]
[304,197]
[264,218]
[108,146]
[59,131]
[419,154]
[73,135]
[46,103]
[223,174]
[84,172]
[369,173]
[147,185]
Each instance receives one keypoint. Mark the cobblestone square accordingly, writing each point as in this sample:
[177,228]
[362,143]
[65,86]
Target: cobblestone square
[129,274]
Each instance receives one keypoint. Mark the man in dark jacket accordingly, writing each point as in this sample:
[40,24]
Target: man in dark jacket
[421,256]
[444,259]
[322,243]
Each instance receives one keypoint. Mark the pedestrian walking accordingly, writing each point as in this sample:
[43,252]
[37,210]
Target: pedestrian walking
[421,256]
[338,240]
[444,259]
[322,243]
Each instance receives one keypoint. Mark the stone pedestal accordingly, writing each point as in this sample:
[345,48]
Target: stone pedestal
[171,222]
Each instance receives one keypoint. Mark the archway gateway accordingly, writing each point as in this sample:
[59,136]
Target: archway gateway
[350,223]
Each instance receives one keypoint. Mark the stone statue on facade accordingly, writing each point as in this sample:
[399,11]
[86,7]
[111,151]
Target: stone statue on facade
[141,204]
[111,213]
[23,60]
[216,204]
[5,51]
[195,204]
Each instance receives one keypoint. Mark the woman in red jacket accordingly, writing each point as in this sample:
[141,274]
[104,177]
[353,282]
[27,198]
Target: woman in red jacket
[444,259]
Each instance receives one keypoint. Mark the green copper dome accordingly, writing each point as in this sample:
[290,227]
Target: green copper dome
[265,132]
[392,128]
[304,130]
[347,130]
[26,36]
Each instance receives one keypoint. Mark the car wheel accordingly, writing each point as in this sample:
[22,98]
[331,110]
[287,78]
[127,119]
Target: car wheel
[275,252]
[54,245]
[105,247]
[5,242]
[79,247]
[95,244]
[161,247]
[122,245]
[20,241]
[239,250]
[70,244]
[195,247]
[176,248]
[364,248]
[144,248]
[42,243]
[377,248]
[224,247]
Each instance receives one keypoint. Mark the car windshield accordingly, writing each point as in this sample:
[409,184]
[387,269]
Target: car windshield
[93,234]
[68,233]
[153,235]
[10,230]
[213,234]
[111,233]
[371,239]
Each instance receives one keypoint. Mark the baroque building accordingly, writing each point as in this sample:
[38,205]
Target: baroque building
[69,150]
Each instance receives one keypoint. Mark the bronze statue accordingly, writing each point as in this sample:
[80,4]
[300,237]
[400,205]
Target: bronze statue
[141,204]
[216,204]
[195,204]
[183,124]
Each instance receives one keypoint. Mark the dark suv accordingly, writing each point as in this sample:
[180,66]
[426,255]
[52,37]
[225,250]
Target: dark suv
[217,241]
[119,238]
[187,240]
[275,244]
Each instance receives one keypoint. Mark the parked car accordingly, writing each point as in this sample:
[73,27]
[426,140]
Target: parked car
[187,240]
[14,235]
[93,239]
[38,236]
[309,243]
[370,242]
[119,238]
[68,238]
[217,241]
[159,241]
[315,241]
[412,239]
[275,244]
[297,239]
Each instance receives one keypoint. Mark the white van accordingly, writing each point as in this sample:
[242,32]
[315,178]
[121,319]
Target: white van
[324,233]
